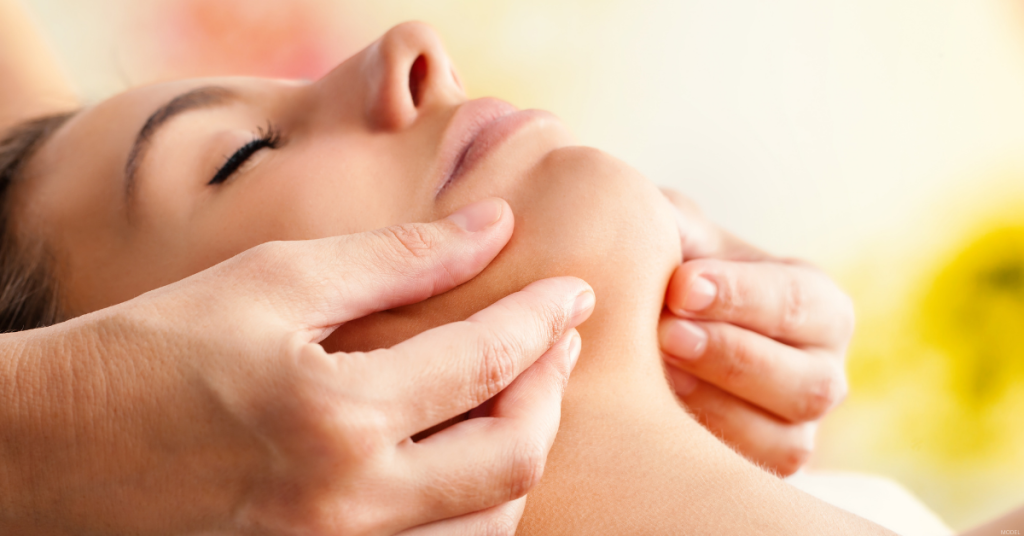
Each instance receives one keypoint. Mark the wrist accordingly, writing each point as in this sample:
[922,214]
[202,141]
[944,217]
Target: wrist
[94,433]
[32,360]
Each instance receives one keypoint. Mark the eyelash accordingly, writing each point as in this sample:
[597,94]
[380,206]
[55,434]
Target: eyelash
[265,138]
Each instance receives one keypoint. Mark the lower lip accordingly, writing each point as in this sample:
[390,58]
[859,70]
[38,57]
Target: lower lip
[492,136]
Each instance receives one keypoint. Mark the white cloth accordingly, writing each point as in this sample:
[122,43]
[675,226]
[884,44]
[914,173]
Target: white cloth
[875,498]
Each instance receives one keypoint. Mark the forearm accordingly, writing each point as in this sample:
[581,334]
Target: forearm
[44,390]
[31,81]
[91,433]
[15,352]
[38,392]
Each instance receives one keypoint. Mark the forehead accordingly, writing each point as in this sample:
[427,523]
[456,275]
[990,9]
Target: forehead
[71,198]
[84,160]
[95,144]
[112,124]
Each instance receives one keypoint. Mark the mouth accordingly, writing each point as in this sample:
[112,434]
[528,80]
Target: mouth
[476,129]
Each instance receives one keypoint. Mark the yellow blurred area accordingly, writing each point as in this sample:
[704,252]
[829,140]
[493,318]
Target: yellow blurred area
[883,139]
[937,366]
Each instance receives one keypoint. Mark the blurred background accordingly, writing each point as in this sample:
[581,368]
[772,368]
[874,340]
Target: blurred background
[881,139]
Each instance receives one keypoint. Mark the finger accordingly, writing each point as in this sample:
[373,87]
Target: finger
[460,365]
[700,238]
[794,384]
[762,437]
[494,521]
[486,461]
[323,283]
[790,303]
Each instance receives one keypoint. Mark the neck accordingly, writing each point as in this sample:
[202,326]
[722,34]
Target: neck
[628,459]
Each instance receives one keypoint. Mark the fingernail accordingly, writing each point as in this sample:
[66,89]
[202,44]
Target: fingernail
[700,295]
[575,345]
[583,306]
[683,382]
[477,216]
[688,340]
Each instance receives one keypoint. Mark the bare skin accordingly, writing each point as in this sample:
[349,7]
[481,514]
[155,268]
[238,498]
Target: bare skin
[207,406]
[754,345]
[730,406]
[628,457]
[742,326]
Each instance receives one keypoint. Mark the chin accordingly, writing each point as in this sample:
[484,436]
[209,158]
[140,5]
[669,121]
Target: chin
[579,212]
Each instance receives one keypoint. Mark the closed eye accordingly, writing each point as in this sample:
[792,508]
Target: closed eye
[265,138]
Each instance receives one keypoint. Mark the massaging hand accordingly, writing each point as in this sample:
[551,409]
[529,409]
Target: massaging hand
[207,406]
[754,345]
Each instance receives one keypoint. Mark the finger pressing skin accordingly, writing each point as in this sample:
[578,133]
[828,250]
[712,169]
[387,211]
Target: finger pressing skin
[700,238]
[496,521]
[796,385]
[488,461]
[697,236]
[791,303]
[763,438]
[458,366]
[323,283]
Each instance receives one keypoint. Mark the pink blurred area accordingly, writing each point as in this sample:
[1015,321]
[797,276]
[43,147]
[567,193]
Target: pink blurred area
[271,38]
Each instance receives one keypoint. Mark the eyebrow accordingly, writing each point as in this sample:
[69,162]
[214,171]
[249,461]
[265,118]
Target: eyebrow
[196,99]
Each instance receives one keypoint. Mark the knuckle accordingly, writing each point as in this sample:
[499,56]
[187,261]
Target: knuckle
[730,301]
[794,457]
[262,260]
[739,362]
[548,306]
[793,311]
[413,240]
[556,321]
[526,467]
[498,365]
[824,394]
[328,425]
[278,261]
[306,510]
[360,437]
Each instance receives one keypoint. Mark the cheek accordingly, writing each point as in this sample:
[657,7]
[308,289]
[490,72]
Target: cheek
[321,190]
[578,212]
[330,187]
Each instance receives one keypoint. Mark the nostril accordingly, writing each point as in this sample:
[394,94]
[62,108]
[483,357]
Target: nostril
[417,74]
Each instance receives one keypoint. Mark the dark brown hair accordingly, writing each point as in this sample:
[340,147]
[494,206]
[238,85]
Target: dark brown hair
[28,290]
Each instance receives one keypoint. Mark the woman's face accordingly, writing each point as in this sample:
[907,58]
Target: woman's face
[164,181]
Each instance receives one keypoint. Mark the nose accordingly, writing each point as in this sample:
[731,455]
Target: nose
[407,72]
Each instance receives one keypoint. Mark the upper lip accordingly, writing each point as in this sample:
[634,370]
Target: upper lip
[466,124]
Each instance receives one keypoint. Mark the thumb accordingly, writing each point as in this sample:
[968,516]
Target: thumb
[323,283]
